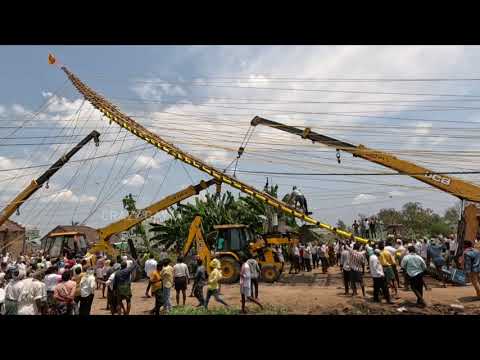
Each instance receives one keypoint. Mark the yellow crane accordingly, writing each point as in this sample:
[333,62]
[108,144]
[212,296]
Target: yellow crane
[36,184]
[104,233]
[462,189]
[114,114]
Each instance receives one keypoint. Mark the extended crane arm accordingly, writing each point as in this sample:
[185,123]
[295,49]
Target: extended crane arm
[112,113]
[195,233]
[37,184]
[459,188]
[132,220]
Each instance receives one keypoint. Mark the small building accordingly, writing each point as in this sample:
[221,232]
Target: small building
[12,238]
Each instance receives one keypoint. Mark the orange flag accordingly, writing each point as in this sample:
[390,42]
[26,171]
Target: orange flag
[51,59]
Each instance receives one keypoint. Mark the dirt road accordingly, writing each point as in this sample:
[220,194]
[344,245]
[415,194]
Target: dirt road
[317,293]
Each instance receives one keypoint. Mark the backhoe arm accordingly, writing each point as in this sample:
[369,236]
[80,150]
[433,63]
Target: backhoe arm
[454,186]
[195,233]
[130,221]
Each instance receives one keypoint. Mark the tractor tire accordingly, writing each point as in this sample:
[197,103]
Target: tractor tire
[269,273]
[230,270]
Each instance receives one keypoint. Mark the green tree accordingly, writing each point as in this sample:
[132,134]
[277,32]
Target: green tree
[130,204]
[341,225]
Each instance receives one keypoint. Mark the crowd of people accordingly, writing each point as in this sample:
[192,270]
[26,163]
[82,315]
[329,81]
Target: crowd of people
[38,285]
[367,227]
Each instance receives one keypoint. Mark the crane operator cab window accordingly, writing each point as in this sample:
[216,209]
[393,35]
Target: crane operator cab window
[235,239]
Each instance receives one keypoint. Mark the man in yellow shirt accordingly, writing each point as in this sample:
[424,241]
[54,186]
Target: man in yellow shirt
[157,288]
[387,261]
[213,285]
[167,281]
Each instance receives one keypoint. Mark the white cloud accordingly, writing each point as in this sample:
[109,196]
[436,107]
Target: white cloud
[47,94]
[2,109]
[423,128]
[363,198]
[6,163]
[68,196]
[19,110]
[148,161]
[134,180]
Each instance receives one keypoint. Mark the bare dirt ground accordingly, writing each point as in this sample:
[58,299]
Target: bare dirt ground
[317,293]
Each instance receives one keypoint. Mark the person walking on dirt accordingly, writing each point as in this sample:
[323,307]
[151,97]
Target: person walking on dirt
[254,274]
[150,266]
[379,283]
[301,248]
[213,283]
[415,268]
[167,281]
[122,285]
[471,264]
[199,282]
[393,251]
[181,279]
[157,289]
[345,267]
[246,286]
[357,269]
[387,261]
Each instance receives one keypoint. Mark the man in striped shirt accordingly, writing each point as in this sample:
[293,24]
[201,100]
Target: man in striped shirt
[357,268]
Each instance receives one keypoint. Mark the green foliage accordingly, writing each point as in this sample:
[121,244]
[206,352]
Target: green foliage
[130,204]
[418,221]
[341,225]
[215,209]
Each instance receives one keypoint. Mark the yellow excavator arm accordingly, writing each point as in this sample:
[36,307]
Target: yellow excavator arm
[115,115]
[457,187]
[130,221]
[195,234]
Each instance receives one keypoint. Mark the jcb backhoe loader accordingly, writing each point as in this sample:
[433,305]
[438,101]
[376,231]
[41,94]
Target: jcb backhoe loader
[233,244]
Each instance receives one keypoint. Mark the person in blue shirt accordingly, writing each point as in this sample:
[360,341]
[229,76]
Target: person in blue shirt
[471,264]
[415,267]
[434,254]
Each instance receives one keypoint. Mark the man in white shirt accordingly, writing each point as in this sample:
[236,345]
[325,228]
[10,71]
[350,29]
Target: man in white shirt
[345,266]
[32,297]
[295,260]
[150,267]
[87,291]
[181,278]
[393,252]
[379,283]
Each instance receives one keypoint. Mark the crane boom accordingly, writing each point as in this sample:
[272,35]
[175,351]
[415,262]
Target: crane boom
[130,221]
[113,114]
[37,183]
[454,186]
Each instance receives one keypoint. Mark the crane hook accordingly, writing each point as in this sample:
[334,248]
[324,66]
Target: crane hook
[338,156]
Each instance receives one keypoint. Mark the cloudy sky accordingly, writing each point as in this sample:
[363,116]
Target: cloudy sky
[419,102]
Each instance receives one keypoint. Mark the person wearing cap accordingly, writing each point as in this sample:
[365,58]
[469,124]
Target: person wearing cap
[213,283]
[378,276]
[415,268]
